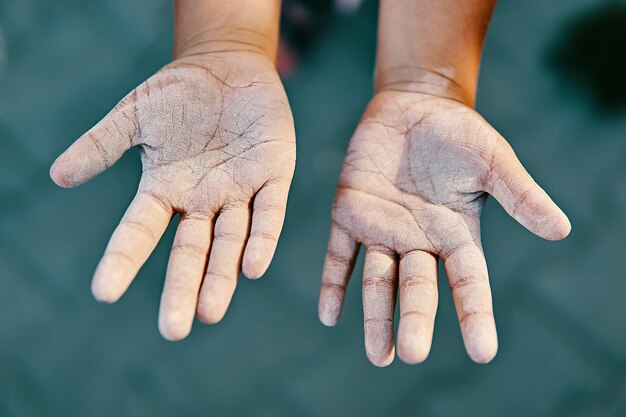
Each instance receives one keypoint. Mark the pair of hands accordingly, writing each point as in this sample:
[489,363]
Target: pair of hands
[218,146]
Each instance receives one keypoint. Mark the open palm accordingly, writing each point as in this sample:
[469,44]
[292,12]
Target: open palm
[217,145]
[414,180]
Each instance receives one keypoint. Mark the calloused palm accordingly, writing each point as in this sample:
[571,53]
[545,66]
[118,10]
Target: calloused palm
[217,145]
[416,175]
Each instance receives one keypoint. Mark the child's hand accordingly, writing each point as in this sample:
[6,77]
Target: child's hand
[412,187]
[217,145]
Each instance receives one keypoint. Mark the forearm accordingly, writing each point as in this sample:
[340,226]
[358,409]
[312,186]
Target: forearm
[204,26]
[432,47]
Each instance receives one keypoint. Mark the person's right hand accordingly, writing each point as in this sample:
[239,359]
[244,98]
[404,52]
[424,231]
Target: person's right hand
[415,178]
[218,146]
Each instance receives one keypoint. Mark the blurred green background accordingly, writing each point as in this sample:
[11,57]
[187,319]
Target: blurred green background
[559,307]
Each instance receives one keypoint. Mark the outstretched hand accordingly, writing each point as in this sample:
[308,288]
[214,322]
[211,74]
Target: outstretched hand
[414,180]
[218,146]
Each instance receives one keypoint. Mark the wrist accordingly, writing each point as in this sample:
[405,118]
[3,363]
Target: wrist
[438,81]
[209,26]
[431,47]
[227,39]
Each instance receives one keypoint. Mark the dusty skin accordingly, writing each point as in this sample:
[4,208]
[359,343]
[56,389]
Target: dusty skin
[414,180]
[217,145]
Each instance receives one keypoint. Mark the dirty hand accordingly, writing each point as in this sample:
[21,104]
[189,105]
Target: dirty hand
[415,177]
[217,145]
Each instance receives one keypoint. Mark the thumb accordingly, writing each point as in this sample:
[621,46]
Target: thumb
[522,198]
[99,148]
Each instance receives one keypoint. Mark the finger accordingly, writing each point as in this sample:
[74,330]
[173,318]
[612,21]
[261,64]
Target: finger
[130,245]
[379,299]
[220,280]
[99,148]
[340,257]
[184,276]
[269,208]
[522,198]
[418,305]
[467,274]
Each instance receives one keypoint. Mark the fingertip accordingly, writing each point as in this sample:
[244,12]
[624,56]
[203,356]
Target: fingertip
[208,313]
[103,294]
[107,283]
[210,317]
[562,227]
[329,307]
[413,343]
[328,319]
[59,175]
[379,345]
[480,338]
[484,354]
[413,355]
[542,216]
[54,174]
[552,225]
[254,265]
[172,329]
[381,359]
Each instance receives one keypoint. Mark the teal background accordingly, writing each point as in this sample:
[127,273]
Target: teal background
[559,306]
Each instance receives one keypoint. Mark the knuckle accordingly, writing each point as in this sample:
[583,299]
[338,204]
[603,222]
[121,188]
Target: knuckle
[414,281]
[228,236]
[336,257]
[468,281]
[477,313]
[188,250]
[378,281]
[339,287]
[137,226]
[257,234]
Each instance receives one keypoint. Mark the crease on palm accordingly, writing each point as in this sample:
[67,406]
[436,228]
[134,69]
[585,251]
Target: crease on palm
[415,178]
[217,145]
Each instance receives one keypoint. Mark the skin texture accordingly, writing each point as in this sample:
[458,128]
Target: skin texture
[431,46]
[415,177]
[218,146]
